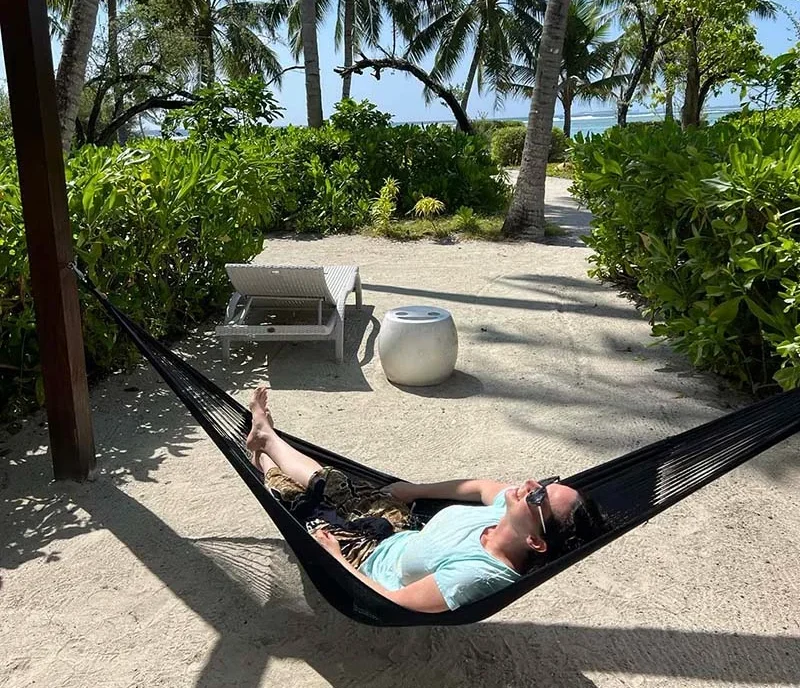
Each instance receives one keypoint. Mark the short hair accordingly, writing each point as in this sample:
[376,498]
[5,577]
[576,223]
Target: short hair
[584,523]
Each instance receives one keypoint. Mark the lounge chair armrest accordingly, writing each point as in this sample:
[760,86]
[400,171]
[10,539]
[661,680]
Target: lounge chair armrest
[233,303]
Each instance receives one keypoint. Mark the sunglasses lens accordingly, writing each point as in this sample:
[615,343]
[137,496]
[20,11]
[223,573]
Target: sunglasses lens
[537,496]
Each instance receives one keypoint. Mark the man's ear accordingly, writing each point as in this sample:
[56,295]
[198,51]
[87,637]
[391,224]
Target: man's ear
[536,543]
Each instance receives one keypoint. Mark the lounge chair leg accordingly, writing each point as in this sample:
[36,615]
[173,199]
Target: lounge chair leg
[340,342]
[226,350]
[358,292]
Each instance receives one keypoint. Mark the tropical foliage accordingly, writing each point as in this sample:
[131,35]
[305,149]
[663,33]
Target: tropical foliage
[490,34]
[702,223]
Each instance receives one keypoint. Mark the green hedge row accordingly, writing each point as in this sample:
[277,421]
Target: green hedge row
[704,225]
[155,222]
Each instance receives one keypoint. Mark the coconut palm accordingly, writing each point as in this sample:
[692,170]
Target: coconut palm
[303,18]
[495,31]
[228,37]
[586,59]
[526,215]
[358,24]
[72,66]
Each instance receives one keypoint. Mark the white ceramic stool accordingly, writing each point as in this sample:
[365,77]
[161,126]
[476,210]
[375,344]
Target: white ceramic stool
[418,345]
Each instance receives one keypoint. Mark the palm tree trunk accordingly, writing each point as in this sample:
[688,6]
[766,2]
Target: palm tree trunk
[690,114]
[349,17]
[669,103]
[308,17]
[72,66]
[113,62]
[473,69]
[566,103]
[205,46]
[526,215]
[113,43]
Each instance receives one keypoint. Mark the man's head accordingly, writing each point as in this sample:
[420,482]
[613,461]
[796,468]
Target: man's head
[552,518]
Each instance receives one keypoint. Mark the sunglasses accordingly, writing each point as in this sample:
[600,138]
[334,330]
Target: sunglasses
[536,497]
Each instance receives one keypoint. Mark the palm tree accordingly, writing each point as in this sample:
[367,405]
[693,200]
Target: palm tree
[308,18]
[72,66]
[585,61]
[494,30]
[358,23]
[526,214]
[228,38]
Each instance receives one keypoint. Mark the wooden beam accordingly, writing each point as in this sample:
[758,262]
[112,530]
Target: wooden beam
[31,90]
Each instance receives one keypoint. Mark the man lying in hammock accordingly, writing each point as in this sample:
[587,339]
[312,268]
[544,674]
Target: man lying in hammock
[462,554]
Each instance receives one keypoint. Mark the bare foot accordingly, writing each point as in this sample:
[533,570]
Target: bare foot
[263,424]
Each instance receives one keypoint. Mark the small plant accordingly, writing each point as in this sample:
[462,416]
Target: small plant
[466,220]
[384,205]
[427,208]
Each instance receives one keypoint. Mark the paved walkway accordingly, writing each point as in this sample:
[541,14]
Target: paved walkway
[165,571]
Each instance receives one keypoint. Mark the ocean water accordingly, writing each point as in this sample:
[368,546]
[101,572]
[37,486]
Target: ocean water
[597,122]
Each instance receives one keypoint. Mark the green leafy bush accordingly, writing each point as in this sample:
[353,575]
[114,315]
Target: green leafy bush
[384,205]
[466,220]
[488,127]
[223,109]
[508,143]
[703,224]
[154,226]
[559,146]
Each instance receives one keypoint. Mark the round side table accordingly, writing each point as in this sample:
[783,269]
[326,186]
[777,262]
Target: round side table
[418,345]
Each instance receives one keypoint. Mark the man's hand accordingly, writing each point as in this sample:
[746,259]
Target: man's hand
[403,492]
[328,541]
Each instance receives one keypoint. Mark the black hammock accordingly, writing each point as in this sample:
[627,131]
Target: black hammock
[630,489]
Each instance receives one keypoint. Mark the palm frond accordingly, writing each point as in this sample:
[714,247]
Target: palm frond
[455,41]
[243,54]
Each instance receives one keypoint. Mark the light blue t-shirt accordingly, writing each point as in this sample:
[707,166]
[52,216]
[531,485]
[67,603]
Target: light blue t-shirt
[449,547]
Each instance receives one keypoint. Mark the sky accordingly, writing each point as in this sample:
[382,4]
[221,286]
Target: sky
[401,94]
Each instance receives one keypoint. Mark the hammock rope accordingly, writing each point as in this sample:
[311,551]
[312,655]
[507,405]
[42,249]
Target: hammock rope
[630,489]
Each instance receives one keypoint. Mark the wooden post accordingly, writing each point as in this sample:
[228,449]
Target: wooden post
[31,89]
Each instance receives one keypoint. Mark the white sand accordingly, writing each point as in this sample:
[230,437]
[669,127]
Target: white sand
[165,571]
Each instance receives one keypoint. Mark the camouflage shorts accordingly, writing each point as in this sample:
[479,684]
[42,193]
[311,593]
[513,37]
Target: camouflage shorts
[351,500]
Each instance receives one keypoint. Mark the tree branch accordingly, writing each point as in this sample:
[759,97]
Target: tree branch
[153,103]
[389,62]
[282,72]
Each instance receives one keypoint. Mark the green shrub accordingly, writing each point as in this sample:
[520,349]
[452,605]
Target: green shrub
[154,226]
[559,145]
[703,224]
[508,143]
[384,205]
[223,109]
[488,127]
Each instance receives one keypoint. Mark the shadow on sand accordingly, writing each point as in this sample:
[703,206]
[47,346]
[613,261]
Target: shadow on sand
[224,580]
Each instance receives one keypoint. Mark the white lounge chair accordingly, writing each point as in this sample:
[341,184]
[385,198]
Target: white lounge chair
[267,293]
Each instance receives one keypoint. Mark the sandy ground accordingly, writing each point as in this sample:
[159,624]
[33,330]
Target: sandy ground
[165,571]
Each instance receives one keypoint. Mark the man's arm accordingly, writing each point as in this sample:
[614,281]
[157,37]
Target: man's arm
[483,491]
[421,596]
